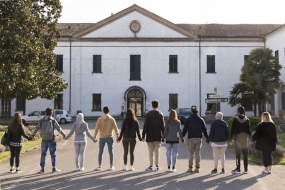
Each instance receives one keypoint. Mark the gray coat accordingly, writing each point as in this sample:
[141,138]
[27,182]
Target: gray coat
[80,133]
[171,133]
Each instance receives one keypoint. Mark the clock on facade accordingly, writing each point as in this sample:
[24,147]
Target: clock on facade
[135,26]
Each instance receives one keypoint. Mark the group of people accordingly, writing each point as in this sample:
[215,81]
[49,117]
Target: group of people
[155,131]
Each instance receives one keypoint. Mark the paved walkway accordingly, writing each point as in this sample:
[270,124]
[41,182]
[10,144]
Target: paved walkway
[30,178]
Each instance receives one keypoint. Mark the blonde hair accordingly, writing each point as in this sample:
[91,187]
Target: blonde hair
[172,119]
[219,115]
[266,117]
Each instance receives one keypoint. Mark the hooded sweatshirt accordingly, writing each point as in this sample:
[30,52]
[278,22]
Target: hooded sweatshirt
[80,132]
[219,132]
[240,129]
[106,124]
[153,126]
[56,125]
[171,132]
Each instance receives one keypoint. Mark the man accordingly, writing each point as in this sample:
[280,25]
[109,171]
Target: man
[195,126]
[106,124]
[47,126]
[240,135]
[153,129]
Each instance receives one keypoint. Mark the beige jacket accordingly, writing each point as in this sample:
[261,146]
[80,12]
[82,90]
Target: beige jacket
[106,124]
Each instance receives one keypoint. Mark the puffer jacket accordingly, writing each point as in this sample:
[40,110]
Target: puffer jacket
[219,132]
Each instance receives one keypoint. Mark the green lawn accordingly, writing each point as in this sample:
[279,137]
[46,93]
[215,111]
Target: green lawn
[5,122]
[281,139]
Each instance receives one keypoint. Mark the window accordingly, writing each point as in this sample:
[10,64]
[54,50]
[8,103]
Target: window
[135,67]
[20,104]
[213,107]
[173,63]
[277,55]
[96,102]
[59,63]
[97,63]
[245,58]
[247,103]
[58,102]
[173,101]
[211,64]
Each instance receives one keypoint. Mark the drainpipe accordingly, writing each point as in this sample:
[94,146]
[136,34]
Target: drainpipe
[70,74]
[200,88]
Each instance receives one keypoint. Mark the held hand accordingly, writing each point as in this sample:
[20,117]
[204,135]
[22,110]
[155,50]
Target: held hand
[117,141]
[207,143]
[95,140]
[182,142]
[143,139]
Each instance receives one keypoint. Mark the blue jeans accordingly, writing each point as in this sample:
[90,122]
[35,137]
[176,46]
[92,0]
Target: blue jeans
[171,152]
[51,145]
[110,143]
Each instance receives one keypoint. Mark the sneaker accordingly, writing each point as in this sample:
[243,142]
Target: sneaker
[169,170]
[157,168]
[196,170]
[42,170]
[12,170]
[55,170]
[125,168]
[149,168]
[173,170]
[265,172]
[189,170]
[82,169]
[77,169]
[18,171]
[269,171]
[214,171]
[236,171]
[112,168]
[245,172]
[132,168]
[223,171]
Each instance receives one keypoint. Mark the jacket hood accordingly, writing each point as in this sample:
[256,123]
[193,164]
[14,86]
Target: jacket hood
[154,113]
[220,122]
[241,119]
[106,116]
[48,117]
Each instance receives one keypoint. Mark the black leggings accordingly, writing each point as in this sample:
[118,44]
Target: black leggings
[15,153]
[126,143]
[267,158]
[241,148]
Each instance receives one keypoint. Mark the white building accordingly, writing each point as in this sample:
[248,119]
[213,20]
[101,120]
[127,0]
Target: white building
[134,56]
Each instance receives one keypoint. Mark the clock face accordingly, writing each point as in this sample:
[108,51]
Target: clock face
[135,26]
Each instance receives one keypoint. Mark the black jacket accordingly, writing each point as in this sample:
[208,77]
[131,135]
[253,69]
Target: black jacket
[17,136]
[153,126]
[240,129]
[265,137]
[219,132]
[195,126]
[128,132]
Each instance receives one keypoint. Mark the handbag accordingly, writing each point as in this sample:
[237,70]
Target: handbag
[5,140]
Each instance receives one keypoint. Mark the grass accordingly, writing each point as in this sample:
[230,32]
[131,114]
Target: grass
[281,138]
[26,146]
[5,122]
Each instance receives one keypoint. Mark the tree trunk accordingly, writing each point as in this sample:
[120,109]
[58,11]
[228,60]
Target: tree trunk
[5,108]
[254,109]
[2,107]
[259,108]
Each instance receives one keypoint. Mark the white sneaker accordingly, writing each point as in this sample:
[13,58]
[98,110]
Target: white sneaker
[173,170]
[125,168]
[269,171]
[82,169]
[169,170]
[265,171]
[132,168]
[98,169]
[157,168]
[77,169]
[112,168]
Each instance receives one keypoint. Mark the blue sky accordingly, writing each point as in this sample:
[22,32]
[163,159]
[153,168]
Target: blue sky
[180,11]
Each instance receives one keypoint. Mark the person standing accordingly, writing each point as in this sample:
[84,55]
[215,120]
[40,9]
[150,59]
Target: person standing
[153,129]
[47,126]
[266,140]
[16,131]
[240,136]
[195,126]
[80,128]
[130,128]
[105,125]
[219,135]
[171,131]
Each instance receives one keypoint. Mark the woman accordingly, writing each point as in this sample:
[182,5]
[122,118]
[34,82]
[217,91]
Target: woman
[80,127]
[16,131]
[266,139]
[130,128]
[219,135]
[171,131]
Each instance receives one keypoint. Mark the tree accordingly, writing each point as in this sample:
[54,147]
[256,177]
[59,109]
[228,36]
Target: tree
[28,36]
[260,75]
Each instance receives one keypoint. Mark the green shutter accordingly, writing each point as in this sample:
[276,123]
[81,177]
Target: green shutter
[135,67]
[97,63]
[59,63]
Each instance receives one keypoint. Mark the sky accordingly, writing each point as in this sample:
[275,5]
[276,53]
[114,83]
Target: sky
[180,11]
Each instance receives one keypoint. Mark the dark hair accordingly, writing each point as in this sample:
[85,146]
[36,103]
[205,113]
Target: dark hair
[130,118]
[155,103]
[241,110]
[49,111]
[106,109]
[17,120]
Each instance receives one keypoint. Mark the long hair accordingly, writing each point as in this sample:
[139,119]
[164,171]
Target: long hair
[130,118]
[266,117]
[79,120]
[17,121]
[172,119]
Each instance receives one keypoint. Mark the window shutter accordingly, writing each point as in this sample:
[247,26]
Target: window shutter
[135,67]
[210,63]
[59,63]
[97,63]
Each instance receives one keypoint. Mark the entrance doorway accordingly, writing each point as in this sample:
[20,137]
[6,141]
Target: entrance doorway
[135,101]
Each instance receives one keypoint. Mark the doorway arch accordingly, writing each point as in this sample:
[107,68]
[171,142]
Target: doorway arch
[135,98]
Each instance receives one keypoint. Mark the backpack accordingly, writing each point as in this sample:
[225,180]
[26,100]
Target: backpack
[47,127]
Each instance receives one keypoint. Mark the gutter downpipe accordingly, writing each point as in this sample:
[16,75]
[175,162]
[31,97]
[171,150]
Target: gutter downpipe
[70,73]
[200,92]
